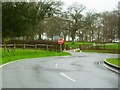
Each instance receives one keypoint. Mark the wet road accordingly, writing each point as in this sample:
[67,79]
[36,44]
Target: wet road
[81,70]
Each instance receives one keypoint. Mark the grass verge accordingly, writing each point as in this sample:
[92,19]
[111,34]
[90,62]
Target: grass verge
[107,46]
[77,44]
[99,51]
[110,46]
[114,61]
[0,56]
[27,53]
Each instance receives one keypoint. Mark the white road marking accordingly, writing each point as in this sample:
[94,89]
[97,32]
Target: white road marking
[8,63]
[74,50]
[99,63]
[56,65]
[12,62]
[68,77]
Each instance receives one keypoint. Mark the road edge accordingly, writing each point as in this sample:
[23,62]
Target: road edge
[1,65]
[112,65]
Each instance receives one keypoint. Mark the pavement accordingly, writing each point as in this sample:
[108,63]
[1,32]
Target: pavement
[80,70]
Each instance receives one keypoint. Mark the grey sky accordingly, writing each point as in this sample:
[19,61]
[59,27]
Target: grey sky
[95,5]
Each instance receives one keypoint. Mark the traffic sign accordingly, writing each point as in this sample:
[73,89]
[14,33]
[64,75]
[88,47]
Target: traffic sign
[60,41]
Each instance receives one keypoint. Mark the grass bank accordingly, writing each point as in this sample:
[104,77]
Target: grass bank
[28,53]
[0,56]
[114,61]
[106,46]
[99,51]
[77,44]
[111,46]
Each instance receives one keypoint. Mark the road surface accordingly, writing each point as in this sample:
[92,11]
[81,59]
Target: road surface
[80,70]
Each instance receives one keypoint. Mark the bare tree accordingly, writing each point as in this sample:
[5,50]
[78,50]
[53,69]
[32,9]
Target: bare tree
[110,29]
[74,16]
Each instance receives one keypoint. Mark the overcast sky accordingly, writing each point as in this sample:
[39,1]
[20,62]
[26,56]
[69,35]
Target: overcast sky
[95,5]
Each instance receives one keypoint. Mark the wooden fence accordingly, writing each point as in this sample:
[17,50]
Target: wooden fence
[31,46]
[45,45]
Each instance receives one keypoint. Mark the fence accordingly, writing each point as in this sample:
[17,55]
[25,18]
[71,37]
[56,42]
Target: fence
[38,44]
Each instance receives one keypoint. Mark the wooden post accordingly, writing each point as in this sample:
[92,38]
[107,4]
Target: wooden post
[60,47]
[47,47]
[14,46]
[35,46]
[5,46]
[23,46]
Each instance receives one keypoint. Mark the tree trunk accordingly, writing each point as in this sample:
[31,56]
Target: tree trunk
[80,37]
[92,37]
[86,37]
[65,37]
[98,36]
[40,37]
[73,37]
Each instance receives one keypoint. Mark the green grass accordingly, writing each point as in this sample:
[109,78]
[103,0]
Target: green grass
[0,56]
[99,51]
[111,46]
[115,61]
[28,53]
[77,44]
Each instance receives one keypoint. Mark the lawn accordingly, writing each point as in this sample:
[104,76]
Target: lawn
[112,46]
[0,56]
[115,61]
[77,44]
[99,51]
[28,53]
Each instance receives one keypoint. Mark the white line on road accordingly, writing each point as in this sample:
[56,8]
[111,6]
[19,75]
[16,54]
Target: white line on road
[68,77]
[8,63]
[56,65]
[12,62]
